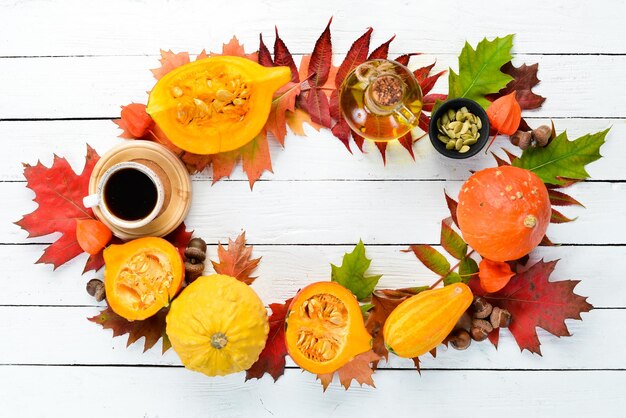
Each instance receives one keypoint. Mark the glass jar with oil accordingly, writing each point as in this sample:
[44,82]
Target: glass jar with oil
[381,100]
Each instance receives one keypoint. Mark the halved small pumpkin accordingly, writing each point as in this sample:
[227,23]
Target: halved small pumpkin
[142,276]
[215,104]
[325,328]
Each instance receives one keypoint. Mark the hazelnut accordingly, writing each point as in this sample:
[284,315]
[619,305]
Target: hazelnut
[482,308]
[95,288]
[195,255]
[197,243]
[542,135]
[480,329]
[500,318]
[193,271]
[460,339]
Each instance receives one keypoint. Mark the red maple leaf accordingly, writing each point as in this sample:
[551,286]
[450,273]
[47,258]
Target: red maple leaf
[534,301]
[59,193]
[152,329]
[272,358]
[359,368]
[236,261]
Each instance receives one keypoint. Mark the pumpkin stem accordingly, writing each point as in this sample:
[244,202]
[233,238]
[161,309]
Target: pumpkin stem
[219,340]
[530,221]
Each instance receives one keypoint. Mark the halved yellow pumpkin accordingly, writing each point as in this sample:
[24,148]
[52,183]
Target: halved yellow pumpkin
[215,104]
[142,276]
[325,328]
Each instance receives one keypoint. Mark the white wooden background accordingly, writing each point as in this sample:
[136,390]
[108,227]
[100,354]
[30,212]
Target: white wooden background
[67,66]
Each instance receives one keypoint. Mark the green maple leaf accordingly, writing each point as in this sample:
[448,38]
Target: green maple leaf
[479,70]
[351,274]
[563,158]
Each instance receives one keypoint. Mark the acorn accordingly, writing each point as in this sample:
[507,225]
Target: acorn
[195,254]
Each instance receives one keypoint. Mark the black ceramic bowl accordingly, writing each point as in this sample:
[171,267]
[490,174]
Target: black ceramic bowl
[456,104]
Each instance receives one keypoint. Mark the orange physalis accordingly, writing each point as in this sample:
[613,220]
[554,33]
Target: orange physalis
[494,275]
[504,115]
[92,235]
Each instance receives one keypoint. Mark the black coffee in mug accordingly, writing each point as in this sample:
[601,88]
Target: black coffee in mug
[130,194]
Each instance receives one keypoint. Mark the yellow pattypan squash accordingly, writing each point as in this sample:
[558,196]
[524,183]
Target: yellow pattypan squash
[217,325]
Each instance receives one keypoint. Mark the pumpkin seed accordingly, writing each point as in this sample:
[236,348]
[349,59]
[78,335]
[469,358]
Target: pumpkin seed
[454,124]
[224,95]
[465,127]
[177,91]
[459,129]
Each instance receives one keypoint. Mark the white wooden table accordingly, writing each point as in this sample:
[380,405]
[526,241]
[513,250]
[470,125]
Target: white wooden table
[67,66]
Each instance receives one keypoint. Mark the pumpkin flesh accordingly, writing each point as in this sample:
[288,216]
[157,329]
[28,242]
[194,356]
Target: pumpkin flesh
[215,104]
[142,276]
[503,212]
[325,328]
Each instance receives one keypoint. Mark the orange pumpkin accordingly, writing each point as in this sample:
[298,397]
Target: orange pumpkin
[503,212]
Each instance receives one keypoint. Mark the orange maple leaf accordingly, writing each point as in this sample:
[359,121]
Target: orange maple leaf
[255,156]
[234,48]
[236,261]
[169,61]
[359,369]
[284,100]
[297,119]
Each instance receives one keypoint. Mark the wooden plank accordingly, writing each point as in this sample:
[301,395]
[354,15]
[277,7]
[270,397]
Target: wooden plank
[70,339]
[318,156]
[167,392]
[341,212]
[87,87]
[142,27]
[285,268]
